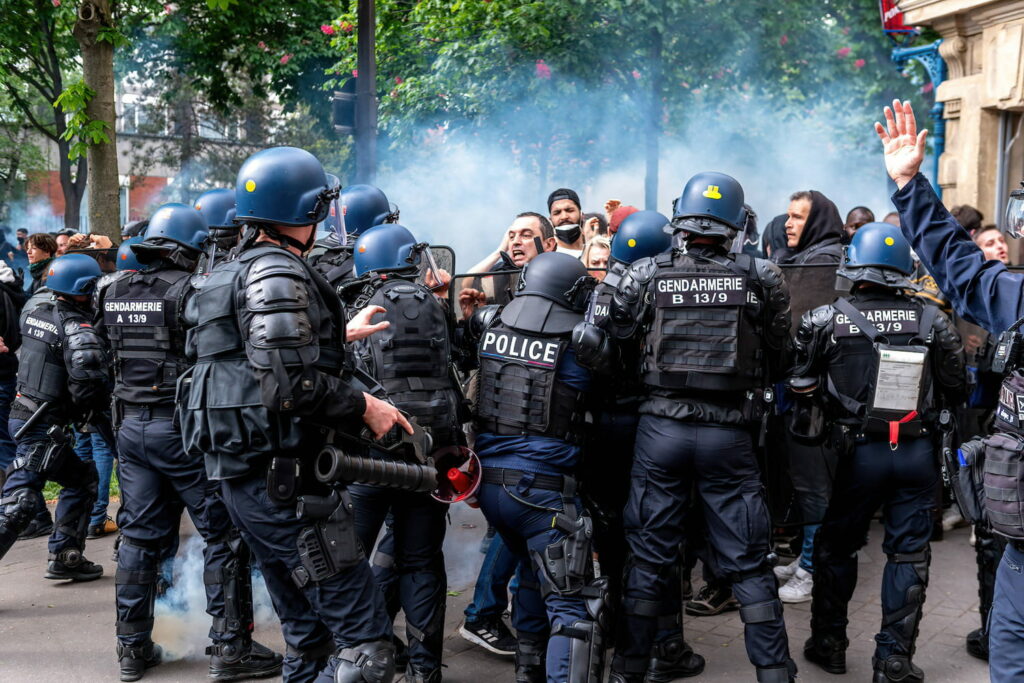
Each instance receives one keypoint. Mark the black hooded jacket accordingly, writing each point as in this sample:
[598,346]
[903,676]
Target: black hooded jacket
[773,241]
[820,241]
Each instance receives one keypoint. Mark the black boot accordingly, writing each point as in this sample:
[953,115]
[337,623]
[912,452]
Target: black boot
[135,659]
[401,652]
[672,659]
[896,669]
[827,652]
[531,651]
[415,674]
[977,644]
[71,564]
[239,658]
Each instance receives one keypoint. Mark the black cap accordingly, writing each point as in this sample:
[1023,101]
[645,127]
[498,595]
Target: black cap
[564,193]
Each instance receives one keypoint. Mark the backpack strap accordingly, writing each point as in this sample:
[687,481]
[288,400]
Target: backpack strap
[866,327]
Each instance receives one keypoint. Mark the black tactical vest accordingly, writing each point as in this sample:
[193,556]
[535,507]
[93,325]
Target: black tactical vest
[706,332]
[600,306]
[223,416]
[42,375]
[335,264]
[520,392]
[853,368]
[142,315]
[412,357]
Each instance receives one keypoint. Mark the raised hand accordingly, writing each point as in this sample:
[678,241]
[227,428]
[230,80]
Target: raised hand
[362,326]
[903,146]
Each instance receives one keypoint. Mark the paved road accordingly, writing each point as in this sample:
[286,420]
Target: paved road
[51,631]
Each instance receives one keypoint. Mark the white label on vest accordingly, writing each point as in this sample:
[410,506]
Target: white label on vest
[886,320]
[511,346]
[135,312]
[898,383]
[37,328]
[700,290]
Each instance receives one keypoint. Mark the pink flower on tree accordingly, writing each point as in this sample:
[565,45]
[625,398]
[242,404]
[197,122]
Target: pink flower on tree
[168,9]
[347,27]
[843,52]
[261,45]
[859,64]
[636,75]
[399,80]
[783,40]
[542,70]
[927,87]
[56,3]
[355,73]
[327,29]
[285,59]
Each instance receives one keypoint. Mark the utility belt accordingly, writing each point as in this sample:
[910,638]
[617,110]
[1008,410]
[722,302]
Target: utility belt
[144,411]
[492,426]
[24,407]
[547,482]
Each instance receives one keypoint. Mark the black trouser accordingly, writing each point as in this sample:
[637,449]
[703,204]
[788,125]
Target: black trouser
[155,474]
[902,482]
[417,528]
[672,459]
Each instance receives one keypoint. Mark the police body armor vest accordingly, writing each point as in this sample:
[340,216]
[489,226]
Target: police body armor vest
[600,307]
[335,264]
[42,375]
[706,332]
[412,357]
[882,375]
[142,315]
[1003,468]
[520,392]
[224,417]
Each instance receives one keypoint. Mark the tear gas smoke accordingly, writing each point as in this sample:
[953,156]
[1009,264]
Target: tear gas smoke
[182,625]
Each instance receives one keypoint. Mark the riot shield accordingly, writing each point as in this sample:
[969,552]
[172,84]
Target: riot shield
[435,259]
[810,287]
[471,290]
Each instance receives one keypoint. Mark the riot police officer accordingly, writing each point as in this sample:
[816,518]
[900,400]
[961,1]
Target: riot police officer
[218,209]
[62,377]
[713,329]
[141,318]
[268,334]
[413,361]
[357,209]
[610,444]
[882,362]
[529,421]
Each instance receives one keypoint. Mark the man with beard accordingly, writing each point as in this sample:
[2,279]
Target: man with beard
[566,214]
[813,229]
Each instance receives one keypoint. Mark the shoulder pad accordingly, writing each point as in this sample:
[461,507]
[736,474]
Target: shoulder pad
[635,279]
[643,270]
[276,292]
[767,272]
[276,262]
[822,315]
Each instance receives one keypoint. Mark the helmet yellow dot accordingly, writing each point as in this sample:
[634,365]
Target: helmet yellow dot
[250,185]
[631,242]
[889,241]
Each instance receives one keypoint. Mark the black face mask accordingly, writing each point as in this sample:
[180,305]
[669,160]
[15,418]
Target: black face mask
[568,233]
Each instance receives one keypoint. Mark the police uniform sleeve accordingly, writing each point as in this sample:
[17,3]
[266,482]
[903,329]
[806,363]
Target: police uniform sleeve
[950,366]
[281,320]
[983,292]
[87,359]
[629,306]
[776,317]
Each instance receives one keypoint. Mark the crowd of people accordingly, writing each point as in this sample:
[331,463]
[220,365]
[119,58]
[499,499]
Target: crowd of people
[621,393]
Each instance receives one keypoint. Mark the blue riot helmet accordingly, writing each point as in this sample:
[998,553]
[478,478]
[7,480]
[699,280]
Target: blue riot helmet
[217,207]
[126,258]
[386,247]
[283,186]
[178,223]
[640,235]
[711,205]
[73,274]
[365,206]
[880,254]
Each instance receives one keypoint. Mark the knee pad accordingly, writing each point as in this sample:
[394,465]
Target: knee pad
[531,651]
[20,506]
[372,662]
[761,612]
[235,580]
[586,650]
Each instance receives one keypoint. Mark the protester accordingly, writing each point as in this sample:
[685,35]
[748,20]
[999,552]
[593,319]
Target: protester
[814,229]
[594,225]
[858,216]
[62,237]
[565,214]
[595,256]
[40,248]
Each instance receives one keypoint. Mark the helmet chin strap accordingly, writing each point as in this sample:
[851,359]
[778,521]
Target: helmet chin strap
[303,247]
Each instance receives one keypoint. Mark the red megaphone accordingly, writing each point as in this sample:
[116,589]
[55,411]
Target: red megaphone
[458,474]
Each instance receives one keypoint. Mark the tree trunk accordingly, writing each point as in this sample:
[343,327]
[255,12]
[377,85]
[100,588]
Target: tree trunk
[98,73]
[655,111]
[72,188]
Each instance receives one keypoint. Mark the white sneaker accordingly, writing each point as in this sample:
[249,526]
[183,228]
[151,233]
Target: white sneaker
[785,572]
[798,588]
[951,519]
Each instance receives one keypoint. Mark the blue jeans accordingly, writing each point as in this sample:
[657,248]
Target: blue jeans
[1006,620]
[94,447]
[490,597]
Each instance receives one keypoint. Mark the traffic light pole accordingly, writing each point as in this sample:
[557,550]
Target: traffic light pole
[366,94]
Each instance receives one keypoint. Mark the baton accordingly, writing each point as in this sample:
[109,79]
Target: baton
[33,419]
